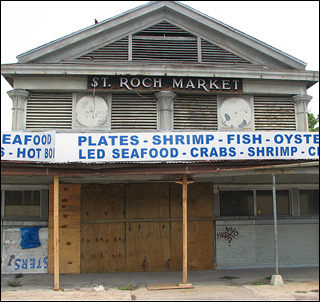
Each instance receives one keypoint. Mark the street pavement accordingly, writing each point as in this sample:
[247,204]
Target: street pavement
[217,285]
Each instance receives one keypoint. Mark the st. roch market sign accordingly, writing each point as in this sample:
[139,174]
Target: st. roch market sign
[157,146]
[111,82]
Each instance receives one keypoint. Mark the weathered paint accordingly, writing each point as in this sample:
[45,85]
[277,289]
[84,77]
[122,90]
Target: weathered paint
[16,260]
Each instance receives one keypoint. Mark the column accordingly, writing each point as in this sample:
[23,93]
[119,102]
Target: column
[301,106]
[19,97]
[165,100]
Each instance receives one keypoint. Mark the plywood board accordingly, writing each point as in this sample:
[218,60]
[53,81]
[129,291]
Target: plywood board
[148,246]
[147,200]
[69,228]
[200,245]
[103,248]
[200,200]
[99,202]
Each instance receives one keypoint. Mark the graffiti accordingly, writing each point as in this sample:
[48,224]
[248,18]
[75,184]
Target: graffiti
[11,258]
[229,234]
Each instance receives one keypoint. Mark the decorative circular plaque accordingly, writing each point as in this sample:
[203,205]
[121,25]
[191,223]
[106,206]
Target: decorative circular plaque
[91,111]
[235,112]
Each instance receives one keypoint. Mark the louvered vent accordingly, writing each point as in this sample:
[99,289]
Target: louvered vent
[195,112]
[53,111]
[134,112]
[211,53]
[115,51]
[164,42]
[274,113]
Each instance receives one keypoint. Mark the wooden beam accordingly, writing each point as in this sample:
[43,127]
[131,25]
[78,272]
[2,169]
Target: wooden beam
[56,256]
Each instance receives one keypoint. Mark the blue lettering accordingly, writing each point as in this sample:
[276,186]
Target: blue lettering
[193,152]
[298,139]
[27,139]
[100,153]
[230,138]
[36,140]
[39,264]
[153,153]
[134,154]
[232,152]
[278,139]
[134,140]
[209,138]
[156,140]
[81,139]
[24,263]
[251,151]
[32,262]
[90,142]
[313,151]
[80,155]
[17,140]
[123,140]
[91,154]
[21,152]
[103,141]
[45,261]
[143,152]
[6,138]
[17,264]
[116,153]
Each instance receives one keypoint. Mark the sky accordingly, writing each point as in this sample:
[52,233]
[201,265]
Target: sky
[290,26]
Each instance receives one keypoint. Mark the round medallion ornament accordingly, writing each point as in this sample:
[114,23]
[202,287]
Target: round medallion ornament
[235,113]
[91,111]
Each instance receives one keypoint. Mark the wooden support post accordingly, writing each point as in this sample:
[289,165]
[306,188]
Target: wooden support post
[56,232]
[185,228]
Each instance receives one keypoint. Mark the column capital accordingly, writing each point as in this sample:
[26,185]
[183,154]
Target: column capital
[165,99]
[165,105]
[302,98]
[301,107]
[19,97]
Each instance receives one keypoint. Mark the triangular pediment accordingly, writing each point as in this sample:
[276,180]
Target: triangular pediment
[162,42]
[166,32]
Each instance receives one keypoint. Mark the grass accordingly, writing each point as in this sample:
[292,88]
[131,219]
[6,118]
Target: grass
[301,291]
[127,287]
[18,276]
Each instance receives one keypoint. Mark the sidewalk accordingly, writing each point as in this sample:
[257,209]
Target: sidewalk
[223,285]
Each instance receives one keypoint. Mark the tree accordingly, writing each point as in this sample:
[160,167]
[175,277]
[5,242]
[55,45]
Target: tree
[313,122]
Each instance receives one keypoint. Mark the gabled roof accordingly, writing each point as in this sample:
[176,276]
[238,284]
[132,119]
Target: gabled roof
[214,35]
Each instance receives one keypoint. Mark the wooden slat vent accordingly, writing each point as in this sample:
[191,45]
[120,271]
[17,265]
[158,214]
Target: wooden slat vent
[164,42]
[212,53]
[274,113]
[134,112]
[195,112]
[115,51]
[53,111]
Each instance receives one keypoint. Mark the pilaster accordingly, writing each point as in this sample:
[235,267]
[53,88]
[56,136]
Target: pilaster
[301,107]
[19,97]
[165,101]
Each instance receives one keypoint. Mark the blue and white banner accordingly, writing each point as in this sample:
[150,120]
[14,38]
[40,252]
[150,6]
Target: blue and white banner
[159,146]
[28,146]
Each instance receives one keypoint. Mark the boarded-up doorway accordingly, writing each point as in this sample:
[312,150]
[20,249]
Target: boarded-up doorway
[138,227]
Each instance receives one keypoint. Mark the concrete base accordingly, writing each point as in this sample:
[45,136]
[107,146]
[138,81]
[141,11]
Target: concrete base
[276,280]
